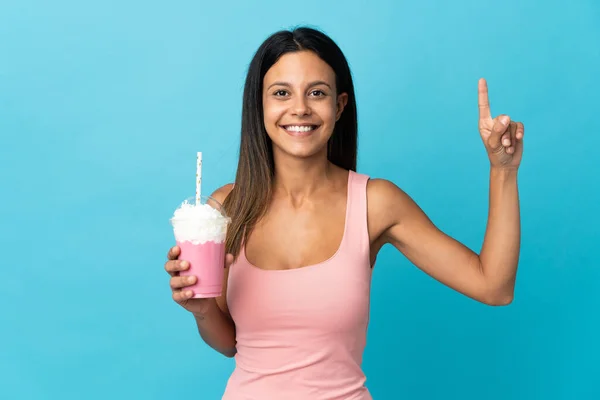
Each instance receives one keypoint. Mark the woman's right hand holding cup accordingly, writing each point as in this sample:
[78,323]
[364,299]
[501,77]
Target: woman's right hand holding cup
[180,285]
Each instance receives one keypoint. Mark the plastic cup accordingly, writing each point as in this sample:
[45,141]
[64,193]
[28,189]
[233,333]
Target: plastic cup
[200,233]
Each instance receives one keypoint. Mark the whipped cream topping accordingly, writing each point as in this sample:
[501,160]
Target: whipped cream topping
[199,224]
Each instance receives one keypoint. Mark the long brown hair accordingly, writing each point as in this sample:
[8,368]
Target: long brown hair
[249,199]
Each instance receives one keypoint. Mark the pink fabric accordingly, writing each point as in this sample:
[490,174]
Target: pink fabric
[301,333]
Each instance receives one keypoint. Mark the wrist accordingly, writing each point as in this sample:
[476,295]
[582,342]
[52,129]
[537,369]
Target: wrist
[504,173]
[209,309]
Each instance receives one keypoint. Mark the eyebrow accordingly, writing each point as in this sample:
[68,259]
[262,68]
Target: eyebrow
[315,83]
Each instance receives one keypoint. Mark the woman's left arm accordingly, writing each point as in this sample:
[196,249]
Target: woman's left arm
[489,276]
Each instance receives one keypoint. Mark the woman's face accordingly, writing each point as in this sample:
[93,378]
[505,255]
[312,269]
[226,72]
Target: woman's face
[300,104]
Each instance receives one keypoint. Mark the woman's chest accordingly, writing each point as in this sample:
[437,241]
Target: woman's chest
[286,239]
[329,297]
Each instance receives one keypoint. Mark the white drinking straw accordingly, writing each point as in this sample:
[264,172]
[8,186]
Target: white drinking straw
[198,178]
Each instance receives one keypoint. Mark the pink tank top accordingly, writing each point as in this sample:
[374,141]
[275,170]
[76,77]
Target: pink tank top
[301,333]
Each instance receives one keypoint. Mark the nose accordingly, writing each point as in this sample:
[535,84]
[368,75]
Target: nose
[301,107]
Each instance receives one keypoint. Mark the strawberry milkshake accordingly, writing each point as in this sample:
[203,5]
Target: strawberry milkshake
[200,230]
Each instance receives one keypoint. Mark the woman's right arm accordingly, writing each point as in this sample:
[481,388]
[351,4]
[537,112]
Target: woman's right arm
[212,318]
[215,325]
[218,331]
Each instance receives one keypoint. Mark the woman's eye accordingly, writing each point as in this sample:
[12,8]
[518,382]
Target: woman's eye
[280,93]
[317,93]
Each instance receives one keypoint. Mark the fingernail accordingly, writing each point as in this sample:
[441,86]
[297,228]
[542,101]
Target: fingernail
[188,293]
[504,120]
[191,279]
[184,264]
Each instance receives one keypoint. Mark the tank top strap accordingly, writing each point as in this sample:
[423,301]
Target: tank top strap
[357,229]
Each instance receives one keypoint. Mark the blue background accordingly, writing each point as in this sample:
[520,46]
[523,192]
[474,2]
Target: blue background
[103,106]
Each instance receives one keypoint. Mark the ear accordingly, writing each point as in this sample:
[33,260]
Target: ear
[342,100]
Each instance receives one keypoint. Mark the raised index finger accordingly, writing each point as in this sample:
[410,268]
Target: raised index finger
[484,102]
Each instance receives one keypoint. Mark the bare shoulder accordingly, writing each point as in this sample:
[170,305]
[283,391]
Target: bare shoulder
[221,193]
[387,205]
[382,193]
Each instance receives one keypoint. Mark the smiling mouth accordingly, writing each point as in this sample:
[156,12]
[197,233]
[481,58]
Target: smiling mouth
[299,130]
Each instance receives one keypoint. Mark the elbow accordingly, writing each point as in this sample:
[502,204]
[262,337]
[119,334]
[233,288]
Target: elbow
[229,352]
[498,293]
[501,301]
[499,298]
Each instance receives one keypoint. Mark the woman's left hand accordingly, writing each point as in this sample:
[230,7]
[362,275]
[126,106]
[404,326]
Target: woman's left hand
[503,138]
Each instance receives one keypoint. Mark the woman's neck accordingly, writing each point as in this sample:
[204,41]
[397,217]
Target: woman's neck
[298,178]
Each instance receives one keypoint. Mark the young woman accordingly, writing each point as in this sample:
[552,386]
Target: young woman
[306,229]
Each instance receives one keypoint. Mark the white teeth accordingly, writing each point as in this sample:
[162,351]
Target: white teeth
[299,128]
